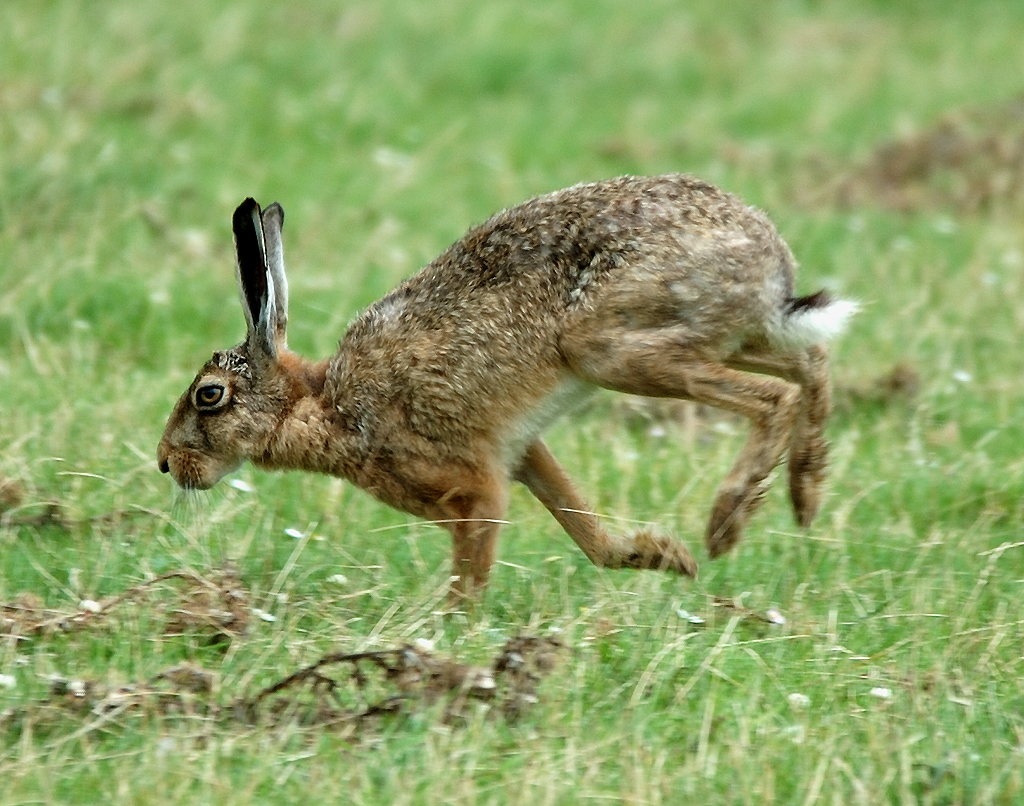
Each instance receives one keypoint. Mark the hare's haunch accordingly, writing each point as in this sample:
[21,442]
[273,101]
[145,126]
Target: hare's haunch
[439,392]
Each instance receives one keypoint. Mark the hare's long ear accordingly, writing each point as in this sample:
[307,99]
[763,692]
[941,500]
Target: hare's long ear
[254,281]
[273,220]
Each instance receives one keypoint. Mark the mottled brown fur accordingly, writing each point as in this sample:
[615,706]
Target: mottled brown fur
[437,396]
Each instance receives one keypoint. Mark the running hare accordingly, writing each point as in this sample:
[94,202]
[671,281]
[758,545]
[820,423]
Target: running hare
[438,394]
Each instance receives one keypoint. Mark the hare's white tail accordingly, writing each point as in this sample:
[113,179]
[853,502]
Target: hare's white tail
[811,320]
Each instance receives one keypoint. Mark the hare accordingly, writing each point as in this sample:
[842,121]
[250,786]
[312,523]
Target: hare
[438,394]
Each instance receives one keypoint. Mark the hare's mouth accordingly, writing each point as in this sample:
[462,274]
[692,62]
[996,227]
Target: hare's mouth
[190,484]
[189,471]
[192,481]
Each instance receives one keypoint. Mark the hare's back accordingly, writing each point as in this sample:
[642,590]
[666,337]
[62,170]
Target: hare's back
[480,327]
[680,254]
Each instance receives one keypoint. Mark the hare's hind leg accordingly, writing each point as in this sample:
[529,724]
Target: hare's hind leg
[808,448]
[548,481]
[656,363]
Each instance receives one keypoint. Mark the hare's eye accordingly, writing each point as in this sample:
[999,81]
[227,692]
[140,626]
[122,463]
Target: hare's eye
[209,396]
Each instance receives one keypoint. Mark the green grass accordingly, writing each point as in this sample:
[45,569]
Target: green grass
[129,131]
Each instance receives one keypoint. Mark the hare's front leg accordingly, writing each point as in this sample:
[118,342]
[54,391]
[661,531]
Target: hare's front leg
[472,511]
[474,547]
[549,482]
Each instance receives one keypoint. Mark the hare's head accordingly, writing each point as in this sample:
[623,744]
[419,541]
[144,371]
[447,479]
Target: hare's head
[232,408]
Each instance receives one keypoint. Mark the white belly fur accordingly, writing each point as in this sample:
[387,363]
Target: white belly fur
[569,394]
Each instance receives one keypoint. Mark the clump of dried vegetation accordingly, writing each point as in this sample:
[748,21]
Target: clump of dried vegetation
[901,384]
[347,691]
[11,494]
[215,605]
[970,160]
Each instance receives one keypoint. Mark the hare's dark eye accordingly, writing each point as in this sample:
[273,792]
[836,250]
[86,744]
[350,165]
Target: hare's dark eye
[209,396]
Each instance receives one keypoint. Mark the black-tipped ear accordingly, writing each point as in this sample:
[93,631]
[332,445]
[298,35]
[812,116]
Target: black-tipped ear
[254,282]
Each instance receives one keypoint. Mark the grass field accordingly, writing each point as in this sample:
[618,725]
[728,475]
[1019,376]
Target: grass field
[876,658]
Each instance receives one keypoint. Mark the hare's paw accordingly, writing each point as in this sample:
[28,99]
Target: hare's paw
[807,468]
[660,553]
[730,514]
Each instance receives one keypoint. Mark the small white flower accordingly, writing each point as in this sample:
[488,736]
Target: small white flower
[392,159]
[962,376]
[241,485]
[8,681]
[686,615]
[165,747]
[881,692]
[798,700]
[1012,259]
[423,645]
[795,733]
[483,681]
[298,535]
[89,606]
[338,579]
[263,614]
[774,616]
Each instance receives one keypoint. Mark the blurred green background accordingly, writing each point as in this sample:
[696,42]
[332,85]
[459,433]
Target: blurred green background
[887,142]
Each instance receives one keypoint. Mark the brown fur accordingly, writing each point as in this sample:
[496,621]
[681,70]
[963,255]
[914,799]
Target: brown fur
[438,394]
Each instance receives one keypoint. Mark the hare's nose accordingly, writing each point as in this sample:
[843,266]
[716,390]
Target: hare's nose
[164,467]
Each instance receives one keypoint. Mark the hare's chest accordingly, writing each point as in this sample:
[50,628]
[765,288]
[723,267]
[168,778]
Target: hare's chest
[524,429]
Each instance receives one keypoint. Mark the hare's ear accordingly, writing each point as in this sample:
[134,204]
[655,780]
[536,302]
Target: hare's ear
[273,220]
[254,281]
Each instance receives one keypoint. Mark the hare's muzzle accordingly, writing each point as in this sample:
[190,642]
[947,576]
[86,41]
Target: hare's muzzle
[163,456]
